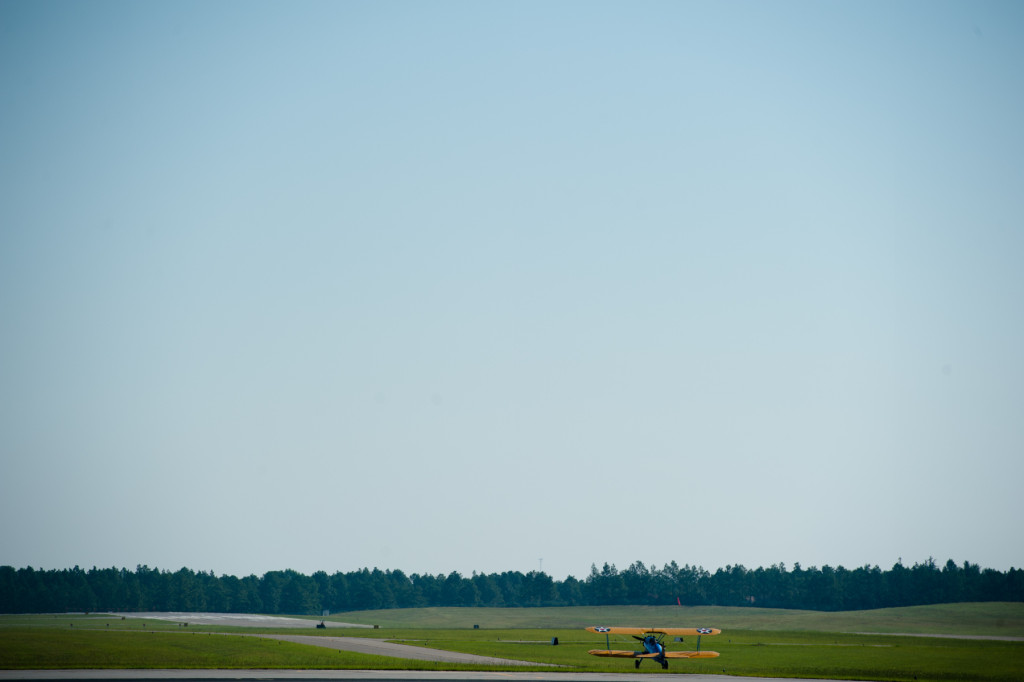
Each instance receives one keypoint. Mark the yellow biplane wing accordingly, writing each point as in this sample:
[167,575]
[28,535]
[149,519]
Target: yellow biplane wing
[691,654]
[613,653]
[634,654]
[640,632]
[652,643]
[668,654]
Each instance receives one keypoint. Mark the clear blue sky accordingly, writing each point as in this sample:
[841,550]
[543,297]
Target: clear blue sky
[460,286]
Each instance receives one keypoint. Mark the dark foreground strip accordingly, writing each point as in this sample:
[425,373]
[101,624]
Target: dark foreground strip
[362,676]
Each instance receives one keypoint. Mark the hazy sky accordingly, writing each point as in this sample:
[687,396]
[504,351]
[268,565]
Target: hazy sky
[464,286]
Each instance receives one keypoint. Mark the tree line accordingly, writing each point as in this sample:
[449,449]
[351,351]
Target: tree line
[28,590]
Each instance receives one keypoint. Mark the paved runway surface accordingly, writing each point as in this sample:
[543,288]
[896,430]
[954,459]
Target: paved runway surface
[379,647]
[242,620]
[362,645]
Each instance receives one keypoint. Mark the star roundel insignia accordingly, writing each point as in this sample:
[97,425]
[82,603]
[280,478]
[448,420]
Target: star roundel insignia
[704,631]
[601,628]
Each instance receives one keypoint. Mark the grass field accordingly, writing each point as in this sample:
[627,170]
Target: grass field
[984,619]
[28,648]
[755,642]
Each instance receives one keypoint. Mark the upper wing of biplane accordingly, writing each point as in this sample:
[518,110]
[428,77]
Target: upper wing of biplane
[640,632]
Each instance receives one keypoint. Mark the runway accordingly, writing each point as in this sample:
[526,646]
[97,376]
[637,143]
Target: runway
[379,647]
[242,620]
[363,645]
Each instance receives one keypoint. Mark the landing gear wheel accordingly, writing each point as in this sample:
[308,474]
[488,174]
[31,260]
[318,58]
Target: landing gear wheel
[636,663]
[664,665]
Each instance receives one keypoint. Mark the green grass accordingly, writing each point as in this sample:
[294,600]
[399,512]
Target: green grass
[755,642]
[33,648]
[73,621]
[756,653]
[987,619]
[82,648]
[862,657]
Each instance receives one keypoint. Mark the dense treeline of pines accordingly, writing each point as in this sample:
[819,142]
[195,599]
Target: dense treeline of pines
[28,590]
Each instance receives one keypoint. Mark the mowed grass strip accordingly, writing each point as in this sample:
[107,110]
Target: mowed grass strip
[768,651]
[867,657]
[986,618]
[752,653]
[85,622]
[25,649]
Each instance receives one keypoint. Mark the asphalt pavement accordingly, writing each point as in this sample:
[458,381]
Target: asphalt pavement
[379,647]
[242,620]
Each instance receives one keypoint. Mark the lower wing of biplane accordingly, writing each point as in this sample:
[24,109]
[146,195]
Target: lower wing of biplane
[612,653]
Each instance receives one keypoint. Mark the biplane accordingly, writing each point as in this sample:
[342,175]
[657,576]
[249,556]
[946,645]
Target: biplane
[653,643]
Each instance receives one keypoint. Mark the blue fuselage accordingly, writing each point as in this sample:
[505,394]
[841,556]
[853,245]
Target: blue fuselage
[652,646]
